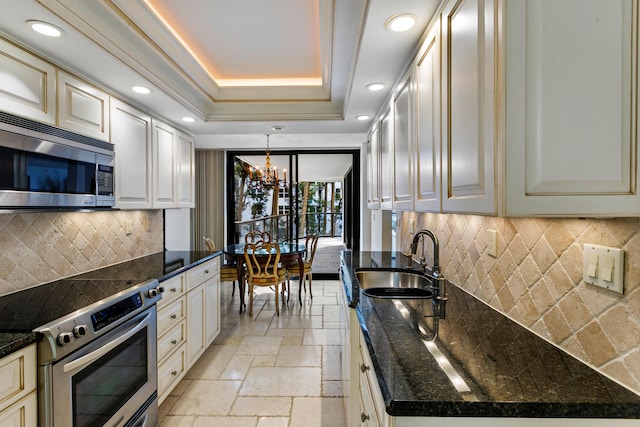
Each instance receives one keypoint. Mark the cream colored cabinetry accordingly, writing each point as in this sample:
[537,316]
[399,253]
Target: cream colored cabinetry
[571,108]
[131,135]
[203,316]
[172,335]
[18,399]
[373,169]
[469,35]
[385,134]
[172,171]
[427,190]
[372,407]
[28,84]
[82,108]
[185,172]
[403,143]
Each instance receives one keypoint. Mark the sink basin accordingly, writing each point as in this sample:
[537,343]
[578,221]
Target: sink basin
[381,283]
[413,293]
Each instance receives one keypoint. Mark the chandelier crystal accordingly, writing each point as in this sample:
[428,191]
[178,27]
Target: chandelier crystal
[267,178]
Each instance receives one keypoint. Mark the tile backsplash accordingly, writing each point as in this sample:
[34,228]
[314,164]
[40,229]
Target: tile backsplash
[38,248]
[536,279]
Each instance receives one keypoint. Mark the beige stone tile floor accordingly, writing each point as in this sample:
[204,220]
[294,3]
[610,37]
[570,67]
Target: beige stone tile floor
[266,370]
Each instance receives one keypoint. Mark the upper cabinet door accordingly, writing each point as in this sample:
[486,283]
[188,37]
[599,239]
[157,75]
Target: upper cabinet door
[164,171]
[386,161]
[571,108]
[27,86]
[373,171]
[468,113]
[131,136]
[403,148]
[427,80]
[82,108]
[185,173]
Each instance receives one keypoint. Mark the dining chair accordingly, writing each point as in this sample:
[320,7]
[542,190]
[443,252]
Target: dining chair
[228,270]
[262,261]
[293,269]
[256,236]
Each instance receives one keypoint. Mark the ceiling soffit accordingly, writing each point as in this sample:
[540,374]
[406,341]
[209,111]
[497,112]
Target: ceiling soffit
[131,32]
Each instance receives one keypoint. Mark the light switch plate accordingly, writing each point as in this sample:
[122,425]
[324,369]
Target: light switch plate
[128,227]
[601,263]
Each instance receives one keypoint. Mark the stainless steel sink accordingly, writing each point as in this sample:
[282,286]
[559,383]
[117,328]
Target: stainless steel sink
[388,283]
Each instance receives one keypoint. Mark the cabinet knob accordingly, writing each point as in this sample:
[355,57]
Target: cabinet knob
[364,368]
[206,272]
[364,417]
[174,316]
[173,289]
[174,373]
[174,342]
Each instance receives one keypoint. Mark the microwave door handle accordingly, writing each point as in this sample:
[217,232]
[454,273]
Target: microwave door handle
[95,355]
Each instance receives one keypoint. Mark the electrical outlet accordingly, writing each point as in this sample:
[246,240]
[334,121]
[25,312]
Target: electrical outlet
[603,267]
[411,226]
[492,243]
[128,227]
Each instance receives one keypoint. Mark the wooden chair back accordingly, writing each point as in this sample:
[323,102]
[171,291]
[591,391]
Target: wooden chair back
[208,243]
[257,236]
[262,259]
[311,242]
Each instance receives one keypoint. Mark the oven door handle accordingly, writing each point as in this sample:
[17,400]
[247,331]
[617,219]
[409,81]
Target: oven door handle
[95,355]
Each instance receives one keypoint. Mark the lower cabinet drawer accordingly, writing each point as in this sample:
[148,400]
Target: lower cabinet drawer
[170,372]
[171,315]
[18,374]
[171,340]
[23,413]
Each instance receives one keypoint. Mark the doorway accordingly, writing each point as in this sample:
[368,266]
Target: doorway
[333,211]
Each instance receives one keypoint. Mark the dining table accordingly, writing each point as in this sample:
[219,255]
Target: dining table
[289,253]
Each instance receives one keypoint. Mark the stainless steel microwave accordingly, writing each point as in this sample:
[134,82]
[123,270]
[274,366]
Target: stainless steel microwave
[42,170]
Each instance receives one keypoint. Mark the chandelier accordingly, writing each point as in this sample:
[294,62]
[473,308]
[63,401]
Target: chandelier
[268,178]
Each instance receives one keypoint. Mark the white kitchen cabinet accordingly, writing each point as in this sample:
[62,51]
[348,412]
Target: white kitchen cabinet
[172,335]
[403,135]
[386,160]
[203,314]
[18,399]
[28,84]
[372,406]
[571,108]
[163,139]
[427,192]
[373,169]
[131,136]
[82,108]
[469,35]
[185,171]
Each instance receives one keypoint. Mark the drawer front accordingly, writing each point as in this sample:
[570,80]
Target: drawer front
[18,373]
[23,413]
[170,372]
[174,288]
[170,316]
[201,273]
[173,339]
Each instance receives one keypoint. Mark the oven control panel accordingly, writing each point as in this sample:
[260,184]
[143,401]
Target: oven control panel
[117,311]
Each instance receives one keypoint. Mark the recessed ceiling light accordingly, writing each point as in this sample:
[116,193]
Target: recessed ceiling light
[188,119]
[45,28]
[141,89]
[362,117]
[400,23]
[277,128]
[374,87]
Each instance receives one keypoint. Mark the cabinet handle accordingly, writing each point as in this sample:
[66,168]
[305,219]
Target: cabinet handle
[173,289]
[206,272]
[364,368]
[174,316]
[364,417]
[174,342]
[174,373]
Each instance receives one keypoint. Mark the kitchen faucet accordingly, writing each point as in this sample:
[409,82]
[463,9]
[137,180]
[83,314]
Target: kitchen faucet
[438,285]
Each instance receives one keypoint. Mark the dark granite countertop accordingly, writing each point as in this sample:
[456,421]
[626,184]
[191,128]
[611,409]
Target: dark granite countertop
[482,364]
[23,311]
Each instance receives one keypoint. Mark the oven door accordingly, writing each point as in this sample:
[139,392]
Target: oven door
[111,381]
